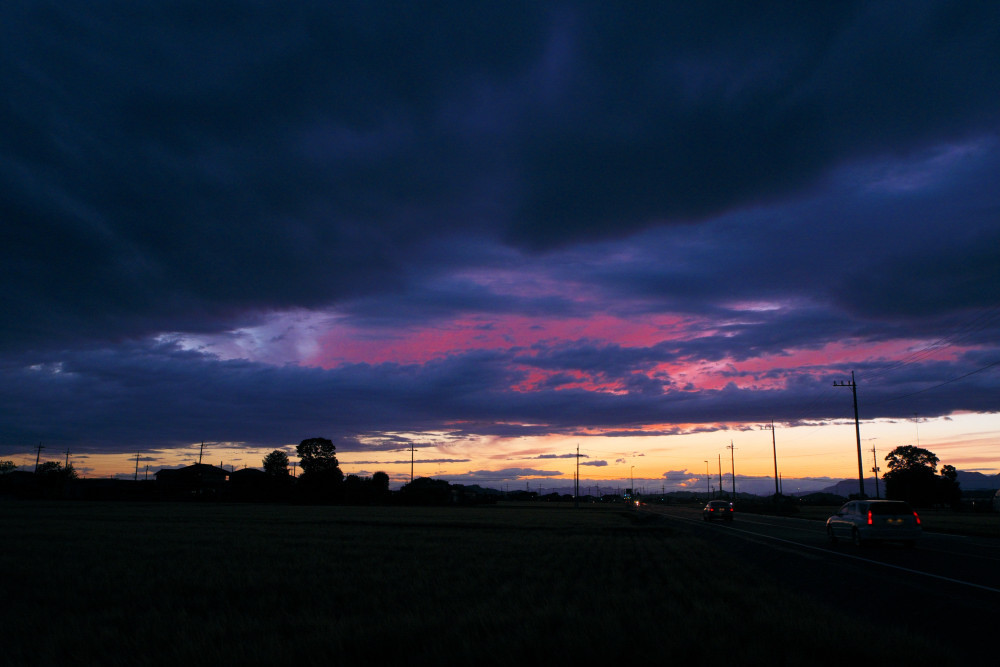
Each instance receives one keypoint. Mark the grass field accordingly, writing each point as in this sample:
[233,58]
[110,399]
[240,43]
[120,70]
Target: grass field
[200,584]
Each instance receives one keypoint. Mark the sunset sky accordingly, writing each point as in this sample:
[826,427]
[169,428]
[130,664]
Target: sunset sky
[498,232]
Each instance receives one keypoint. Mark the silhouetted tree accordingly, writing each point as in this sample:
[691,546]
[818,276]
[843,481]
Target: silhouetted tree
[53,470]
[317,455]
[949,491]
[426,491]
[6,476]
[51,478]
[321,478]
[276,464]
[912,476]
[366,490]
[380,483]
[355,490]
[277,480]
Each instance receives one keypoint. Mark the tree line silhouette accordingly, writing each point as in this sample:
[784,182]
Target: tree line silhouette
[321,481]
[911,475]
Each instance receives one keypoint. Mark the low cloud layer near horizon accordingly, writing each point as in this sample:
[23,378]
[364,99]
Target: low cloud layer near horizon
[262,222]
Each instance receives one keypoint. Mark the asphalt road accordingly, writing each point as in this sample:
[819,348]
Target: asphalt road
[948,587]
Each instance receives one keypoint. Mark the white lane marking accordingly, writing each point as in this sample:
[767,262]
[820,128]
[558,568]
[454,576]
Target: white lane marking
[812,528]
[843,555]
[821,528]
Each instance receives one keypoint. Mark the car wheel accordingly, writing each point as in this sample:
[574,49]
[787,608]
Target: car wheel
[856,538]
[831,535]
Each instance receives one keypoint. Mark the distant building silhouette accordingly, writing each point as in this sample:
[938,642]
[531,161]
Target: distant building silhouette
[199,480]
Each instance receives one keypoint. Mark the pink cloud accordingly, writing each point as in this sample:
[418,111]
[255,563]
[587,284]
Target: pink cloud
[347,344]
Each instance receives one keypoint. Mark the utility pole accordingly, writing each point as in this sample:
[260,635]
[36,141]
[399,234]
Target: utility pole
[202,453]
[732,453]
[38,457]
[708,476]
[67,457]
[411,462]
[774,447]
[576,480]
[857,430]
[136,467]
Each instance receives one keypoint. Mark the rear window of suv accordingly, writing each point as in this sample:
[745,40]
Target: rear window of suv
[890,508]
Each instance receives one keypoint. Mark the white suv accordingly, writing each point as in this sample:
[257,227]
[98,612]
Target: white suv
[868,520]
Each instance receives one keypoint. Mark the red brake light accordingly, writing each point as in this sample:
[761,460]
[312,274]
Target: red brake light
[869,517]
[917,517]
[730,509]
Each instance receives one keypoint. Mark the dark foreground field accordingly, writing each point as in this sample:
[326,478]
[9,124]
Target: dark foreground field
[200,584]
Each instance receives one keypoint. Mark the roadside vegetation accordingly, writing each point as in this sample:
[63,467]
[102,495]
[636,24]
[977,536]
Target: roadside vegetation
[212,583]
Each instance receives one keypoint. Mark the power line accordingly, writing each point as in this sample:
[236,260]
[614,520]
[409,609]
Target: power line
[955,379]
[979,323]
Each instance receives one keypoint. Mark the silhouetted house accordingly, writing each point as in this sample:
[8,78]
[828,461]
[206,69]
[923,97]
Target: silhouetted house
[247,475]
[198,480]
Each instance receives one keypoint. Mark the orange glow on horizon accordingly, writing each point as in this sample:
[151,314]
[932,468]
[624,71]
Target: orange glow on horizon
[668,456]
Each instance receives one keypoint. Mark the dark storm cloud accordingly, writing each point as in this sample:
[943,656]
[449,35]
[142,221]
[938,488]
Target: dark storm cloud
[184,168]
[783,177]
[176,167]
[684,111]
[895,250]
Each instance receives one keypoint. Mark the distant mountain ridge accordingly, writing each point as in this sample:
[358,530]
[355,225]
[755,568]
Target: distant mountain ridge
[969,481]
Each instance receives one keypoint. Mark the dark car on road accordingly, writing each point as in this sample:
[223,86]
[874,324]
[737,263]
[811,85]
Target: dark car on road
[875,520]
[718,510]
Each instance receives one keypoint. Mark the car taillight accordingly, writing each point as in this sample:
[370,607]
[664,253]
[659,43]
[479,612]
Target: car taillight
[917,517]
[869,517]
[730,509]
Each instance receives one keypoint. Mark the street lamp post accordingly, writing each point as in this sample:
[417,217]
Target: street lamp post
[720,475]
[732,454]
